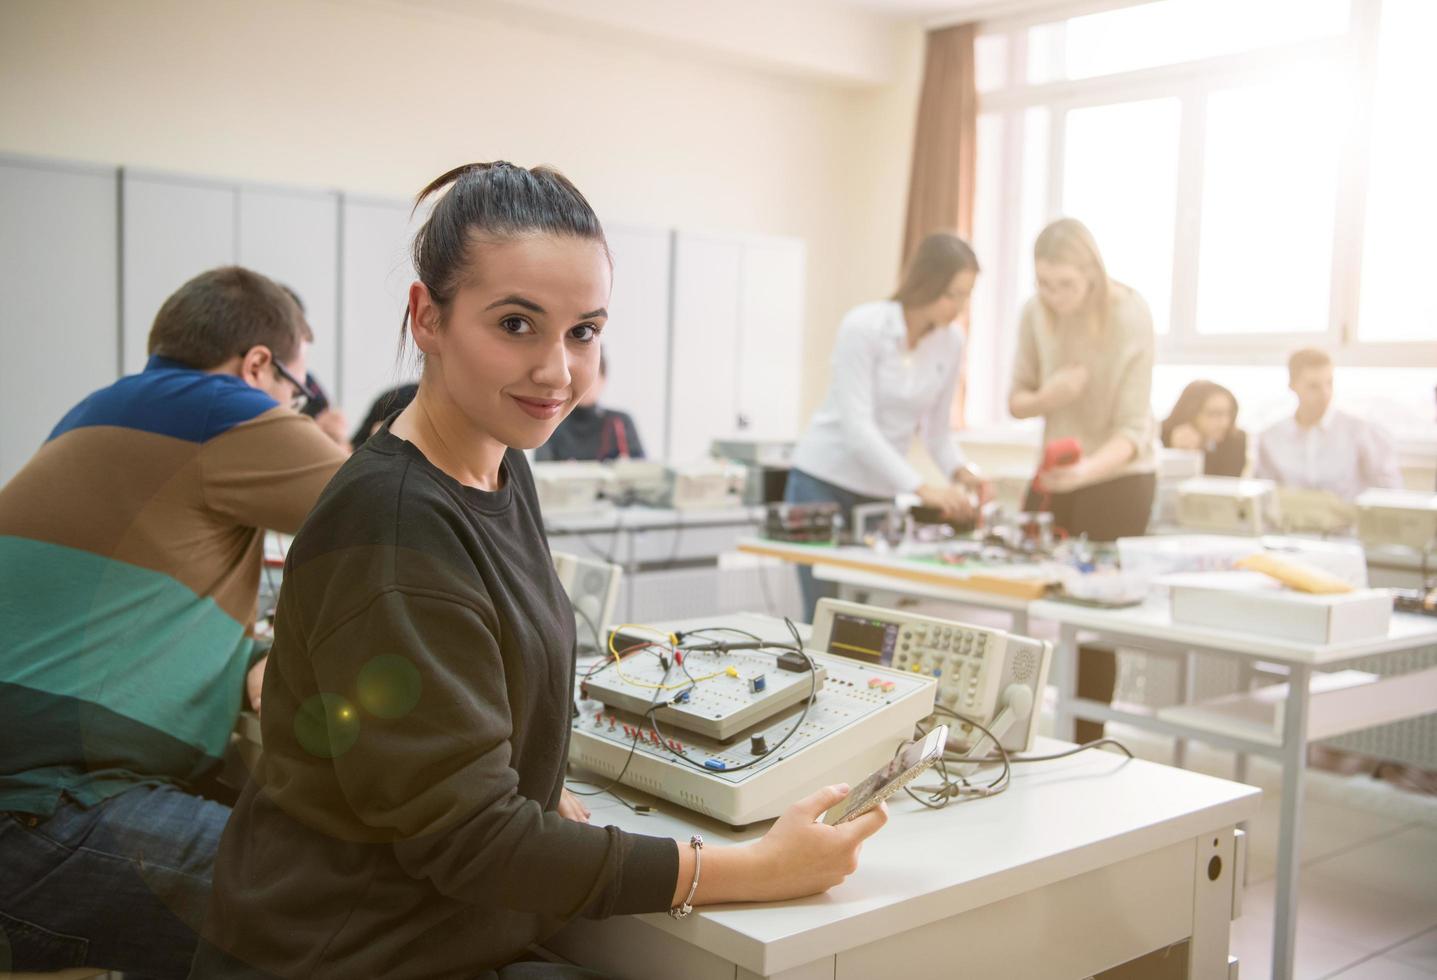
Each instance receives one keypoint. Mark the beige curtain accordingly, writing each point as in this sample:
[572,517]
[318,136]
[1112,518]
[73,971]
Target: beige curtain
[940,192]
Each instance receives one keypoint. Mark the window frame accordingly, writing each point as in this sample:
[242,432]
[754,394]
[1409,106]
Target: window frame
[1191,83]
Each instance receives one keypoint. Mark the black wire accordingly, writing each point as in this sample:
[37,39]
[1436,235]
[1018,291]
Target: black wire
[949,789]
[961,789]
[607,556]
[678,537]
[599,647]
[798,723]
[762,567]
[606,661]
[633,747]
[693,683]
[1063,755]
[708,630]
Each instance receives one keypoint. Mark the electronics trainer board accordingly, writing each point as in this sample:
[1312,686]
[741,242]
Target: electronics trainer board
[858,715]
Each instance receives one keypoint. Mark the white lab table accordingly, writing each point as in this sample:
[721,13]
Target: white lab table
[650,535]
[652,540]
[857,569]
[1295,715]
[1085,863]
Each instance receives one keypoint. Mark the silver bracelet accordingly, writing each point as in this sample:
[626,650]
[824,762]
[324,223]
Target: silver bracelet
[682,912]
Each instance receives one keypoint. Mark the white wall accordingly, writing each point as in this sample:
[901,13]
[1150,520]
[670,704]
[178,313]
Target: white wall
[379,98]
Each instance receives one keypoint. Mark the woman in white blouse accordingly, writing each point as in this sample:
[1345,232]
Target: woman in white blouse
[895,369]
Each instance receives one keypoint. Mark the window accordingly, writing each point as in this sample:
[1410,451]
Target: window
[1399,253]
[1170,32]
[1120,167]
[990,61]
[1259,170]
[1268,207]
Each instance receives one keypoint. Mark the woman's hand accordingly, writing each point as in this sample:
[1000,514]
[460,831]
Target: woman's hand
[1065,386]
[952,502]
[1066,479]
[797,857]
[804,857]
[1185,436]
[970,479]
[572,808]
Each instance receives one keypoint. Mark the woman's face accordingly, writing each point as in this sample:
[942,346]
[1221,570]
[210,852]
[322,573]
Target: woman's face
[1214,420]
[520,344]
[953,302]
[1063,288]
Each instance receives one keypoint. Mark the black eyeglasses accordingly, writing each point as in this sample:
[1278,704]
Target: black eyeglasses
[302,394]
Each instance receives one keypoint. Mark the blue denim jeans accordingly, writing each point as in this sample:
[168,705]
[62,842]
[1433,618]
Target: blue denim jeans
[804,488]
[122,885]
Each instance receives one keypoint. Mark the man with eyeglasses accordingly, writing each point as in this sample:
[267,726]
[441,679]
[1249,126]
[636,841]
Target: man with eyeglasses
[130,553]
[315,403]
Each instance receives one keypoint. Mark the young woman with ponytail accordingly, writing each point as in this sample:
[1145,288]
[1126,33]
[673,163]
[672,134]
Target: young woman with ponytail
[408,818]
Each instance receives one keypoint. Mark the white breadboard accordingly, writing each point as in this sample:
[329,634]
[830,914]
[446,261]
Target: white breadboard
[734,690]
[858,718]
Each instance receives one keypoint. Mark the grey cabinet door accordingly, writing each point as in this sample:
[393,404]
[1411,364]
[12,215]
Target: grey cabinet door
[375,273]
[636,338]
[770,342]
[292,236]
[173,229]
[708,271]
[59,271]
[737,340]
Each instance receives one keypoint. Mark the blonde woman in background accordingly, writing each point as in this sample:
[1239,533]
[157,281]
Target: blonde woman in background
[1085,365]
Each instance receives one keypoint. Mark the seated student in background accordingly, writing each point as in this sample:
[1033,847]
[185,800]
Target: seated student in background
[591,432]
[388,403]
[1204,418]
[1322,447]
[331,420]
[130,548]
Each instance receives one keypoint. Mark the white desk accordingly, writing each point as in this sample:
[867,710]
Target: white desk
[652,540]
[1083,864]
[1150,626]
[654,536]
[1009,589]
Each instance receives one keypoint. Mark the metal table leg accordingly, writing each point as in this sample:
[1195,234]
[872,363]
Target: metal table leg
[1065,666]
[1294,768]
[1244,684]
[1185,694]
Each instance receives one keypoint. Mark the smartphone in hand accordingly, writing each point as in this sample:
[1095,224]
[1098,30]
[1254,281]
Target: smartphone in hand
[906,766]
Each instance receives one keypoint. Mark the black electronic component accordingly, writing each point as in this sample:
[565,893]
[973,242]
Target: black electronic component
[790,660]
[1415,601]
[758,745]
[813,523]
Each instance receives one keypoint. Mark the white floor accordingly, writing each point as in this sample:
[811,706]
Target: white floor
[1368,887]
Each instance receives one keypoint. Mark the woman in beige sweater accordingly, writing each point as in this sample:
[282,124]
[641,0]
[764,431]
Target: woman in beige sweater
[1085,364]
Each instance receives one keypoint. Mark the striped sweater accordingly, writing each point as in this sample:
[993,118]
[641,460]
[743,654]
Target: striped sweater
[130,551]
